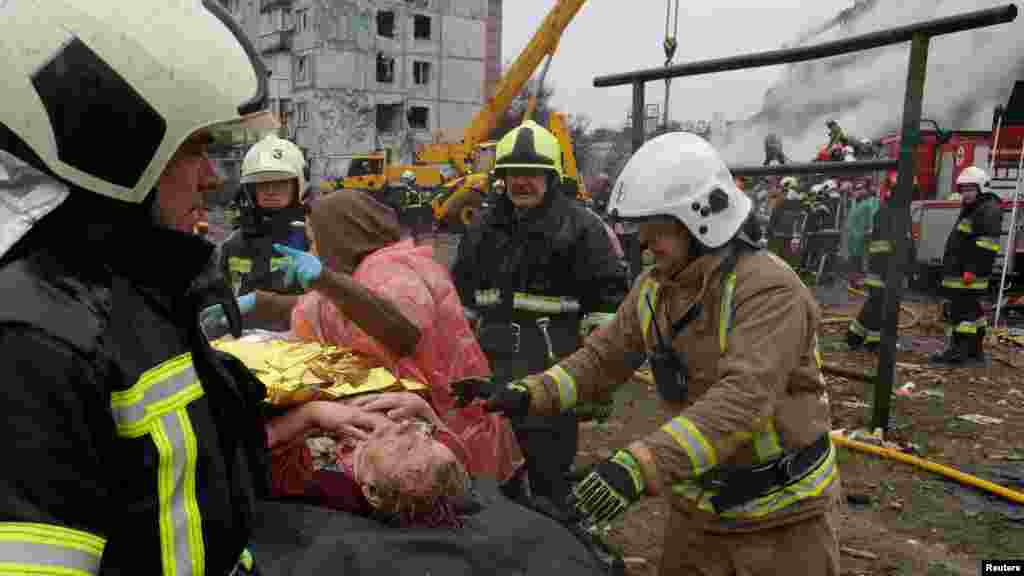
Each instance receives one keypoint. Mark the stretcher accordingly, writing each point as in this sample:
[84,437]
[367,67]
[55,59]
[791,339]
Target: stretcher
[501,538]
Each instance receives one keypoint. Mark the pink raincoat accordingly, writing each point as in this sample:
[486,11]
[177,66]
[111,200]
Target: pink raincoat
[408,276]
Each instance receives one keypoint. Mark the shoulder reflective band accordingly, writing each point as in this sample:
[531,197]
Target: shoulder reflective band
[965,226]
[239,265]
[649,289]
[726,311]
[958,284]
[156,406]
[988,243]
[32,548]
[879,247]
[566,386]
[814,484]
[688,437]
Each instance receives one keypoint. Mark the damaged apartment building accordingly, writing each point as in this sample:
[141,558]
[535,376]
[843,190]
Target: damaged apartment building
[351,77]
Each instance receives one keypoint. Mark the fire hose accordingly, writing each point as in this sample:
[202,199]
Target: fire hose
[946,471]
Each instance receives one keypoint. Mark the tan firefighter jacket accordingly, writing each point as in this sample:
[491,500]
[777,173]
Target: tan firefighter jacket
[755,382]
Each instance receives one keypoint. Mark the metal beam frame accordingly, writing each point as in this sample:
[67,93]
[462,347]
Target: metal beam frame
[896,215]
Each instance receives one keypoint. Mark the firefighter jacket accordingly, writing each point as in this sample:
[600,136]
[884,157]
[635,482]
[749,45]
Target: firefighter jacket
[755,382]
[247,258]
[557,253]
[973,244]
[132,447]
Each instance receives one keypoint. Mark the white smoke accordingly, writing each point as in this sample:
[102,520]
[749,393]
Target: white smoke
[969,73]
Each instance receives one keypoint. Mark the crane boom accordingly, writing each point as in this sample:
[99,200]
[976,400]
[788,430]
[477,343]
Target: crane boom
[544,42]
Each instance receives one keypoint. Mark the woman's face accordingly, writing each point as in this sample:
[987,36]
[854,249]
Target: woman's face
[404,456]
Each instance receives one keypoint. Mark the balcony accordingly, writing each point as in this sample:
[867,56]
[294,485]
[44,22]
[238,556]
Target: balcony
[268,5]
[279,41]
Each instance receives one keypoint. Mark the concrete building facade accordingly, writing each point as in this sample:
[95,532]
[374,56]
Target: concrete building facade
[353,76]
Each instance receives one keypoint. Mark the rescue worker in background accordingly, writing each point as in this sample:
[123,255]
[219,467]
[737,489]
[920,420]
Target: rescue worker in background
[967,263]
[866,329]
[531,270]
[413,207]
[730,332]
[139,449]
[836,135]
[773,150]
[272,213]
[859,227]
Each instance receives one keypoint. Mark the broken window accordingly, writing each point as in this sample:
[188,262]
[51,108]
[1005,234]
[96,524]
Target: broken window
[421,73]
[302,69]
[419,117]
[385,68]
[302,113]
[421,27]
[388,117]
[386,23]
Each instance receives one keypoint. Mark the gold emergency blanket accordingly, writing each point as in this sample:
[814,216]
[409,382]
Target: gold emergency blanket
[299,372]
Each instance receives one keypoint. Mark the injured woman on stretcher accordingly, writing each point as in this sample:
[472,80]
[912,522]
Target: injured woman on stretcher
[384,489]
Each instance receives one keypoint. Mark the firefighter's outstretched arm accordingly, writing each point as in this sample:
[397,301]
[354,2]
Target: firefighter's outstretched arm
[769,336]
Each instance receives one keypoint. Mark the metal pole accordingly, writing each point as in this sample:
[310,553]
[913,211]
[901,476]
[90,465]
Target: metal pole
[937,27]
[1009,238]
[995,147]
[896,225]
[639,116]
[860,166]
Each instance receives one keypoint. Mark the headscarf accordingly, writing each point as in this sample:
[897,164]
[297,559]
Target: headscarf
[348,226]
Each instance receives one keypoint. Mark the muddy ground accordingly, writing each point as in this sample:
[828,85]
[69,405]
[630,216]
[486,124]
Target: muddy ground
[898,519]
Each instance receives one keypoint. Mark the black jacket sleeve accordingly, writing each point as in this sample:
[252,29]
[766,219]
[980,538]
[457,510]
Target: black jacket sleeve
[599,272]
[984,242]
[55,424]
[465,271]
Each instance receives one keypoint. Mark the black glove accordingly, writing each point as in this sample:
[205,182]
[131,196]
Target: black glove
[512,399]
[609,489]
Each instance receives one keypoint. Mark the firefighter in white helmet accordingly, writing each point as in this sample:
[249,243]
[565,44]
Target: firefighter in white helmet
[731,334]
[967,263]
[413,206]
[272,213]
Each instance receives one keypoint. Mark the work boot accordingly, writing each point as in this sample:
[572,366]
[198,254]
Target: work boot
[956,352]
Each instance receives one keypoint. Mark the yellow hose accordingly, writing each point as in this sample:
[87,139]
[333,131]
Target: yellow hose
[845,319]
[931,466]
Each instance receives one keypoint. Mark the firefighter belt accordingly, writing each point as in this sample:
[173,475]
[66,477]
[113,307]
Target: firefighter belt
[739,485]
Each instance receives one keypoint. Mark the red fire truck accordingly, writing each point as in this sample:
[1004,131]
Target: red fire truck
[942,155]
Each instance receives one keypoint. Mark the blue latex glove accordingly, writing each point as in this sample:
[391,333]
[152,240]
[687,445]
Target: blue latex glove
[302,266]
[609,489]
[215,316]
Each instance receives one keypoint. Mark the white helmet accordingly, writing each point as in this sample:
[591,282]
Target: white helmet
[789,182]
[273,159]
[973,175]
[829,185]
[408,178]
[79,69]
[679,174]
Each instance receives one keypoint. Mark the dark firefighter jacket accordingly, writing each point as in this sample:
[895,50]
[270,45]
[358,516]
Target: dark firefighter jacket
[880,250]
[132,446]
[558,249]
[248,260]
[973,243]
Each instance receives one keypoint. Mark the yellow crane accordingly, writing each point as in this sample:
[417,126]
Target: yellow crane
[472,158]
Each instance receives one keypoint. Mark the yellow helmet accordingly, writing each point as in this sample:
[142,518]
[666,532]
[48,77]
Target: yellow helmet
[529,145]
[789,182]
[273,159]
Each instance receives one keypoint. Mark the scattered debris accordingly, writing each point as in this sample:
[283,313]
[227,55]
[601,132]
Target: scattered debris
[980,419]
[858,553]
[634,561]
[858,499]
[854,404]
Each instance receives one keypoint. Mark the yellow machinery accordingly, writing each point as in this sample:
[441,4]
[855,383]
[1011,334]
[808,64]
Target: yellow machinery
[472,158]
